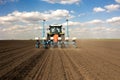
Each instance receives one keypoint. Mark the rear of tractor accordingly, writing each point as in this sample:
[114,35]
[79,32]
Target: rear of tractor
[56,36]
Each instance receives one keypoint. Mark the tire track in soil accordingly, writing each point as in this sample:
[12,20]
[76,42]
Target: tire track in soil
[106,58]
[109,66]
[21,71]
[40,74]
[3,50]
[12,56]
[58,69]
[54,68]
[48,68]
[12,52]
[67,67]
[63,68]
[43,69]
[16,61]
[71,68]
[46,75]
[96,66]
[85,64]
[80,68]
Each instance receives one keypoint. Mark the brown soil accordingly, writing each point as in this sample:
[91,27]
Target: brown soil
[92,60]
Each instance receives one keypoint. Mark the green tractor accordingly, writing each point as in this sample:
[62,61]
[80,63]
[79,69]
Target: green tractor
[56,30]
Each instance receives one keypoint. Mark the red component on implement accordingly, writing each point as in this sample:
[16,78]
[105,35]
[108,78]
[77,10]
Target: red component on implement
[55,38]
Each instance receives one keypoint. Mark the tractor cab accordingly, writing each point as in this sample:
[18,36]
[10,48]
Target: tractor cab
[55,29]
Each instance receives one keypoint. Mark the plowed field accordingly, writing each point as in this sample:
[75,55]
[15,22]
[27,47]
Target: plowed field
[92,60]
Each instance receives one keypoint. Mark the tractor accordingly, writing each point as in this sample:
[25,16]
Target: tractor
[56,37]
[56,30]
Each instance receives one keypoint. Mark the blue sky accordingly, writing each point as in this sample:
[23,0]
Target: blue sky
[21,19]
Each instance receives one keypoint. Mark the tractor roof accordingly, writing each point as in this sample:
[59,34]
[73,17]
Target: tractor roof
[55,25]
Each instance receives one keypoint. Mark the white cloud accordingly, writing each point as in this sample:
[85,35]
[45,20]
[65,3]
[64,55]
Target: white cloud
[27,23]
[71,23]
[96,29]
[20,23]
[118,1]
[84,24]
[113,20]
[59,13]
[112,7]
[10,28]
[95,32]
[63,1]
[96,21]
[14,28]
[101,29]
[8,18]
[28,17]
[98,9]
[82,30]
[107,8]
